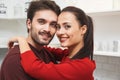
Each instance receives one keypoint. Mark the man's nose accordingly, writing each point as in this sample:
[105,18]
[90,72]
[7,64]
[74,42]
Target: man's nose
[47,27]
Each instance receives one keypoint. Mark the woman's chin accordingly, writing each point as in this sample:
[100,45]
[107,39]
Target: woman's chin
[64,45]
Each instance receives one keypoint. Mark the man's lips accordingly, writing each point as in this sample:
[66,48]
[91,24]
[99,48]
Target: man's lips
[45,34]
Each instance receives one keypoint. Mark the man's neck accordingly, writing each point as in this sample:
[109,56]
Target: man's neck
[35,45]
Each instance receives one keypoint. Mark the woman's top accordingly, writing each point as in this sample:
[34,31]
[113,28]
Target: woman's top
[67,69]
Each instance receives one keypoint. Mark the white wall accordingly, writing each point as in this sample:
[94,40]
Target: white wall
[10,28]
[107,27]
[88,5]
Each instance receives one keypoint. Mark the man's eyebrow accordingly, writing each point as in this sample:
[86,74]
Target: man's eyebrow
[45,20]
[40,19]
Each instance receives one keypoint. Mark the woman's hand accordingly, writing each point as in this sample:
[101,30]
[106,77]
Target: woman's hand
[14,40]
[23,44]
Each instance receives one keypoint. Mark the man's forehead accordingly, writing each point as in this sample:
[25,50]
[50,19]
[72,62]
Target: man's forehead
[42,19]
[47,15]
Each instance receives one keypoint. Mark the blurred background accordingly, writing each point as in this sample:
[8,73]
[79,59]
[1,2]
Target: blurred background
[106,18]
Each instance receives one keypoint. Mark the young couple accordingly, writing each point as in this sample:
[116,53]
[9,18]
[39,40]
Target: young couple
[33,60]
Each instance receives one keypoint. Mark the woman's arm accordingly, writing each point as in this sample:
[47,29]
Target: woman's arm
[57,52]
[66,70]
[23,45]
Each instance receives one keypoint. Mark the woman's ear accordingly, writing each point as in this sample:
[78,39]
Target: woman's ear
[83,29]
[28,23]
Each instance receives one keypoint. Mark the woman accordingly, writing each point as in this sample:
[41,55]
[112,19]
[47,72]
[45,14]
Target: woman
[74,31]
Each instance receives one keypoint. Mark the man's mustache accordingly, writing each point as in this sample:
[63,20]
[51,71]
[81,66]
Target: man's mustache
[45,33]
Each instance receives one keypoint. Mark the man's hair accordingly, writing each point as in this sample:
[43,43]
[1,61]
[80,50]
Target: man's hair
[37,5]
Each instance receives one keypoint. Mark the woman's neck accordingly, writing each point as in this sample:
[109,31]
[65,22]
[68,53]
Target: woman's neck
[74,49]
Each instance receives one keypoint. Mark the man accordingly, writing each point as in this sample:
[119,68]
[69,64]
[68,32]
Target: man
[41,23]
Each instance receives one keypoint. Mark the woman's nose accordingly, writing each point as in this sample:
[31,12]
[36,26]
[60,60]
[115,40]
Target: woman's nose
[60,31]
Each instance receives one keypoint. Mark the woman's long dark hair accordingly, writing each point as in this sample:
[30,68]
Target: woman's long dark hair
[83,19]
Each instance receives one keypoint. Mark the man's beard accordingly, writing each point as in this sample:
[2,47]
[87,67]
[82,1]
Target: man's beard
[37,40]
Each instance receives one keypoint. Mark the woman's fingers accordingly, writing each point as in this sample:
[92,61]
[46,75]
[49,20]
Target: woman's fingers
[11,42]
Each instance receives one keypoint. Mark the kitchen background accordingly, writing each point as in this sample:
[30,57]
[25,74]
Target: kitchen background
[106,17]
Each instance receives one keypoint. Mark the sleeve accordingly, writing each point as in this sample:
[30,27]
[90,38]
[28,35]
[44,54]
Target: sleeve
[38,69]
[11,68]
[58,52]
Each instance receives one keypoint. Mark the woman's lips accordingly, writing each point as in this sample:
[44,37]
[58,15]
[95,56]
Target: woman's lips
[63,39]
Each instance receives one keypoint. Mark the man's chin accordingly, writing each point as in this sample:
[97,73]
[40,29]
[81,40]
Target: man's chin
[45,42]
[42,43]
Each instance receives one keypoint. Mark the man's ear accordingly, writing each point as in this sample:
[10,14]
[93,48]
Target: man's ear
[83,29]
[28,23]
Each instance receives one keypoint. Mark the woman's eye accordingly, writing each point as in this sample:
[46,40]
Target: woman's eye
[67,26]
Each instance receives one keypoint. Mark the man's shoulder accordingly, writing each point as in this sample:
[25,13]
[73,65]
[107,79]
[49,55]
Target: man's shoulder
[12,57]
[14,50]
[11,68]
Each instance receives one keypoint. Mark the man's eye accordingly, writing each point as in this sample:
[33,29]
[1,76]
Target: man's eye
[58,27]
[41,22]
[53,25]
